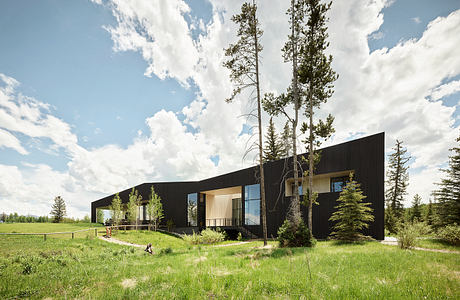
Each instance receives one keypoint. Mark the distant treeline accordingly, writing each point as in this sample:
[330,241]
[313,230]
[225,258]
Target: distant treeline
[16,218]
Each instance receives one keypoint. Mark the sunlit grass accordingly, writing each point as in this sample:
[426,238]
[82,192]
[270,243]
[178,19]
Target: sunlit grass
[90,268]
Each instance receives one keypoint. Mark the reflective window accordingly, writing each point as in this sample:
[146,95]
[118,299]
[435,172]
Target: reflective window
[252,204]
[299,188]
[192,217]
[337,183]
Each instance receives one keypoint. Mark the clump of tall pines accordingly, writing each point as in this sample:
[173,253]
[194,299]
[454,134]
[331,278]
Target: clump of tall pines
[352,214]
[311,85]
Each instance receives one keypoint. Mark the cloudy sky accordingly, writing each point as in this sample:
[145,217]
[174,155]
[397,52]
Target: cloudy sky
[97,96]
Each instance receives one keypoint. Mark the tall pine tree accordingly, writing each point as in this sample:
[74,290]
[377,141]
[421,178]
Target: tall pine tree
[416,211]
[317,78]
[397,181]
[286,141]
[448,194]
[352,214]
[58,210]
[273,149]
[243,64]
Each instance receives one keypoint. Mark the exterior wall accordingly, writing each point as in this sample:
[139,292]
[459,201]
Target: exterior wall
[219,206]
[365,156]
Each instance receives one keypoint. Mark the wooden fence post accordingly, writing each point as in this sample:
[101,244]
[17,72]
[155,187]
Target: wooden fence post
[44,237]
[95,232]
[72,235]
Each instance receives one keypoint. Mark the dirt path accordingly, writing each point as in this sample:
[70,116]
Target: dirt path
[232,244]
[395,243]
[115,241]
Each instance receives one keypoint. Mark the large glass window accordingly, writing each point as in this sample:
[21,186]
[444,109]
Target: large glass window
[252,204]
[192,217]
[338,183]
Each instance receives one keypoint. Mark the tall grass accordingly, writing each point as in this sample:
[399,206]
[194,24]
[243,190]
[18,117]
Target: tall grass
[91,268]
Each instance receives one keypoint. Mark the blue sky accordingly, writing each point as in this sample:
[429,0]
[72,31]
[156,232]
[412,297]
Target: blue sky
[89,61]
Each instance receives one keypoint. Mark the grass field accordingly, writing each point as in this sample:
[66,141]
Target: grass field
[91,268]
[432,243]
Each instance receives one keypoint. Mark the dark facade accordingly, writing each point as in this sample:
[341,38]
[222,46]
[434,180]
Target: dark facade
[364,156]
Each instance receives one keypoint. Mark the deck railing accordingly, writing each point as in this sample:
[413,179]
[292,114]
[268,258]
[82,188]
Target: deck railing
[223,222]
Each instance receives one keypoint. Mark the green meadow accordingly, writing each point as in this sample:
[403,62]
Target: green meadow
[89,268]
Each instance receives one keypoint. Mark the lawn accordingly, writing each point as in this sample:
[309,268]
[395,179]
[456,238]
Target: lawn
[91,268]
[49,227]
[432,243]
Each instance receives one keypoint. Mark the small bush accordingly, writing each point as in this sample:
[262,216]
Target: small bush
[207,236]
[407,235]
[166,250]
[290,235]
[239,237]
[450,234]
[422,228]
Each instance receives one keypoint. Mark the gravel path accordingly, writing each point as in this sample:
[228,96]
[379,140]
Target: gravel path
[115,241]
[395,243]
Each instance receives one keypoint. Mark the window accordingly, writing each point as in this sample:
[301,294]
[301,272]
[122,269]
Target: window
[337,183]
[192,218]
[299,188]
[252,204]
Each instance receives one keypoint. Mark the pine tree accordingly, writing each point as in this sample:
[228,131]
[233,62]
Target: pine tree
[154,208]
[317,76]
[58,210]
[416,212]
[429,213]
[273,148]
[448,194]
[243,64]
[397,180]
[286,141]
[116,211]
[352,215]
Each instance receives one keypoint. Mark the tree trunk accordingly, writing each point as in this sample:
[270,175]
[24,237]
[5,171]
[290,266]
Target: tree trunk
[295,204]
[259,115]
[310,165]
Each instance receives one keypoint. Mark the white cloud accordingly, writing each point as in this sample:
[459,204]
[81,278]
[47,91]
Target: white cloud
[445,90]
[384,90]
[416,20]
[10,141]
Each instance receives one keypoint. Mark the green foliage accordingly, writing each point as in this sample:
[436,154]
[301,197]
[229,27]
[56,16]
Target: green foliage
[16,218]
[239,237]
[207,236]
[415,212]
[165,251]
[116,210]
[154,208]
[352,213]
[428,216]
[450,234]
[273,147]
[170,224]
[407,235]
[132,207]
[68,267]
[100,216]
[58,210]
[448,194]
[295,235]
[391,222]
[286,141]
[397,180]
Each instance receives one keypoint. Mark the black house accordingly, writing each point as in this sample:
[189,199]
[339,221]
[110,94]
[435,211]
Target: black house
[232,201]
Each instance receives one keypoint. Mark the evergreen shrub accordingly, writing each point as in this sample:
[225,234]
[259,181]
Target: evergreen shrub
[290,235]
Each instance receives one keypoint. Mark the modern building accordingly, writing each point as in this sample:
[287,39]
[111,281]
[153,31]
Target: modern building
[232,201]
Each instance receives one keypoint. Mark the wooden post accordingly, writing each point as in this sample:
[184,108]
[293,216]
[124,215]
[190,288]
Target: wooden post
[44,237]
[72,235]
[95,232]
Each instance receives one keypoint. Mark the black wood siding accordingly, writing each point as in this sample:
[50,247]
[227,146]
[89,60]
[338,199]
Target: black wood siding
[365,156]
